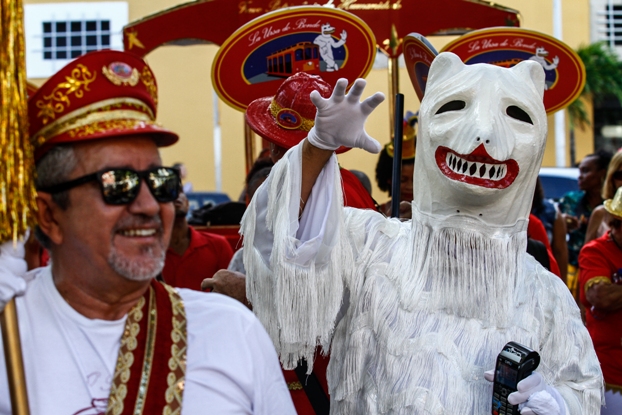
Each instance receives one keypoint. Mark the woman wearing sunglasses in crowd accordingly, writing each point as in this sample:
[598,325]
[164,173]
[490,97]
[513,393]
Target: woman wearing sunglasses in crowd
[597,226]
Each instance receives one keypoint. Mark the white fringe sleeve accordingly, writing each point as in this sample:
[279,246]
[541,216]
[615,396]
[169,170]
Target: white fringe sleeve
[296,269]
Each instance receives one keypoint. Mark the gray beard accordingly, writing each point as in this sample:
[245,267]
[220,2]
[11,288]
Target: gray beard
[143,270]
[149,265]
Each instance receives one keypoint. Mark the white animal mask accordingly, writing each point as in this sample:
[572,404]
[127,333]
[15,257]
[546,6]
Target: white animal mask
[481,140]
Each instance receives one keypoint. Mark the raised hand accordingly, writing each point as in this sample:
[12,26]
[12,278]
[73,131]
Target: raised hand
[340,119]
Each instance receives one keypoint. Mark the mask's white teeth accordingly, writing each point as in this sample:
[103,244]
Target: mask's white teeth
[475,169]
[138,232]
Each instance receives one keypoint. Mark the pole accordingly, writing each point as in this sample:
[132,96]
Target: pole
[394,86]
[13,357]
[397,156]
[217,144]
[249,145]
[560,120]
[16,178]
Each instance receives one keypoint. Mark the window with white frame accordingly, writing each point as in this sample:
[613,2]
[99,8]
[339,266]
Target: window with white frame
[606,23]
[56,33]
[70,39]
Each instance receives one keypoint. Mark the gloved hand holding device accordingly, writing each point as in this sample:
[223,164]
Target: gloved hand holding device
[534,396]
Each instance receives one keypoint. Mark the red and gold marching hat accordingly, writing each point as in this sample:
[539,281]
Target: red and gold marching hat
[286,118]
[99,95]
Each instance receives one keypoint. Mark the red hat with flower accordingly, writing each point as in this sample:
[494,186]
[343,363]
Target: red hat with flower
[99,95]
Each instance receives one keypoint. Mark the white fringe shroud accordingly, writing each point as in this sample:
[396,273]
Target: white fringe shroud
[428,304]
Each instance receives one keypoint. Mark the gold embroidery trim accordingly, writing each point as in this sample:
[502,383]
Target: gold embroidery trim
[150,84]
[149,349]
[58,100]
[596,280]
[118,389]
[294,386]
[177,363]
[305,125]
[119,81]
[108,125]
[94,112]
[613,388]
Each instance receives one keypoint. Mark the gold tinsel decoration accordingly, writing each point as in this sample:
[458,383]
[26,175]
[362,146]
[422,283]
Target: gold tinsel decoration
[17,194]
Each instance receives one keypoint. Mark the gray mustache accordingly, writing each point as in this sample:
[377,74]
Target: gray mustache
[138,221]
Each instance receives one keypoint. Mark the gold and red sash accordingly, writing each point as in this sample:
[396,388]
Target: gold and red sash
[150,370]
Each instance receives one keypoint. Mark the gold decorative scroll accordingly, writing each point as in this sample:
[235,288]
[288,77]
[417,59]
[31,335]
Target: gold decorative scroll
[99,127]
[380,5]
[125,359]
[246,6]
[177,362]
[149,81]
[58,101]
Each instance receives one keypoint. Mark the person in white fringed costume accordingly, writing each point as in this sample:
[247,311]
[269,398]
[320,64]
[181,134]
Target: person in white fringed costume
[416,312]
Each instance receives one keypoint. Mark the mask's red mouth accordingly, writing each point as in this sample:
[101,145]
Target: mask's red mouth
[477,168]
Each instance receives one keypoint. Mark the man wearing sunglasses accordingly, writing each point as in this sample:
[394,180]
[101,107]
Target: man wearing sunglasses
[99,334]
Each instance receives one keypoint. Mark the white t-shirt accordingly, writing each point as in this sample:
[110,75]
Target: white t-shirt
[232,367]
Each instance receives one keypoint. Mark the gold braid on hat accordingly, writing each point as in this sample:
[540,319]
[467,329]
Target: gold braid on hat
[305,125]
[107,112]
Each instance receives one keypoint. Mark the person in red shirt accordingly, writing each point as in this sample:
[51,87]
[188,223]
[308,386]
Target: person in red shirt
[600,262]
[193,256]
[536,231]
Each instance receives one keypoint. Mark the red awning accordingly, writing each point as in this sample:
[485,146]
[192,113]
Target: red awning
[213,21]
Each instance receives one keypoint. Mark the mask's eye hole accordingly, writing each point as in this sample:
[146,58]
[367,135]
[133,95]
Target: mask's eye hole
[451,106]
[518,114]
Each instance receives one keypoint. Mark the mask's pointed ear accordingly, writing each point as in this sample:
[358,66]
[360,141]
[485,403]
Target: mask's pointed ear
[443,67]
[533,73]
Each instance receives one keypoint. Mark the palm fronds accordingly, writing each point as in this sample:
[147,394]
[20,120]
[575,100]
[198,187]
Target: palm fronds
[603,71]
[603,76]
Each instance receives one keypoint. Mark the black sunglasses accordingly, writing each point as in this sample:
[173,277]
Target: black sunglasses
[617,175]
[121,186]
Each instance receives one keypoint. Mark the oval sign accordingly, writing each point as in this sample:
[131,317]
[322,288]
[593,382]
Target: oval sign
[260,55]
[503,46]
[418,55]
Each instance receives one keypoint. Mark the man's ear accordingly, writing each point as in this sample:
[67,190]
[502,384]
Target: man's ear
[47,217]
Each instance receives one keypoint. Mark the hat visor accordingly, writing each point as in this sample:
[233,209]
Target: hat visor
[262,122]
[609,208]
[161,136]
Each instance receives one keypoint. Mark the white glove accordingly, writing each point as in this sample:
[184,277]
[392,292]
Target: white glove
[12,268]
[534,396]
[340,119]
